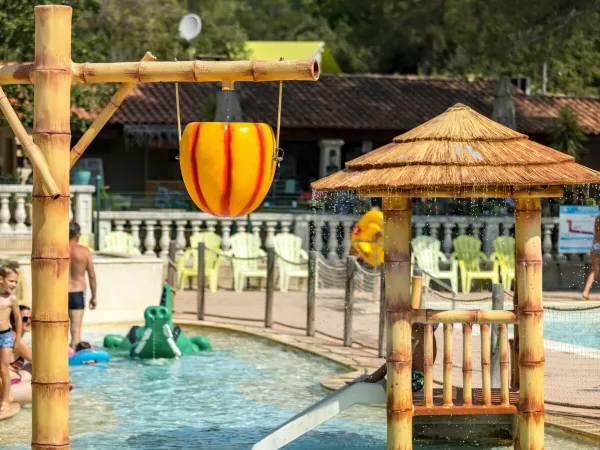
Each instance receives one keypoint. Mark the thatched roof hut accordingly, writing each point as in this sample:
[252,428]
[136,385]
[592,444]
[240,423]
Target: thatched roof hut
[462,153]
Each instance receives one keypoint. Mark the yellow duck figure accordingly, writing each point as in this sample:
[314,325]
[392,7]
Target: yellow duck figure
[367,237]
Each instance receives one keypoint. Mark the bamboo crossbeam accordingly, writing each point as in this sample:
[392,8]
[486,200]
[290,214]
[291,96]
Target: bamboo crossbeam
[103,118]
[462,410]
[176,71]
[428,364]
[416,285]
[464,316]
[504,362]
[486,364]
[39,163]
[467,368]
[447,396]
[467,192]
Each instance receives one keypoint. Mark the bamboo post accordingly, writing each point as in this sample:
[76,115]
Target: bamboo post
[416,285]
[467,368]
[397,223]
[428,364]
[528,215]
[200,300]
[270,287]
[503,345]
[50,235]
[381,337]
[486,391]
[38,162]
[311,294]
[171,269]
[349,300]
[448,331]
[497,304]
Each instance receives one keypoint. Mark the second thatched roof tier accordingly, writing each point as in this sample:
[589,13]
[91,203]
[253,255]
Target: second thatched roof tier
[458,149]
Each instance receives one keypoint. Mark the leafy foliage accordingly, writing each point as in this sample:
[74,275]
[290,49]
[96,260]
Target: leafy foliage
[568,136]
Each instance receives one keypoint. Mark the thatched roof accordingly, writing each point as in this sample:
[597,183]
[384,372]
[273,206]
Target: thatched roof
[458,149]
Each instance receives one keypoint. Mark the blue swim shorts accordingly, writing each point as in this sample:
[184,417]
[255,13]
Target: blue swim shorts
[6,339]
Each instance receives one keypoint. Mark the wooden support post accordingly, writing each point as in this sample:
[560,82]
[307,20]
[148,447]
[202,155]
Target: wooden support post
[503,345]
[486,388]
[416,285]
[349,300]
[400,410]
[50,230]
[311,295]
[270,287]
[381,337]
[201,305]
[528,215]
[171,268]
[497,304]
[428,364]
[448,336]
[467,368]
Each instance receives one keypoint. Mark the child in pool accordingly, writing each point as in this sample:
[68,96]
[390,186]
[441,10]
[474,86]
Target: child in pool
[8,304]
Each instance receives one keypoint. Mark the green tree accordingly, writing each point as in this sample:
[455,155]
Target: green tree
[568,136]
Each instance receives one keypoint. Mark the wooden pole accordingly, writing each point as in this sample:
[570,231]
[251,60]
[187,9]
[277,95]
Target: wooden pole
[486,388]
[416,285]
[349,300]
[32,151]
[104,116]
[497,304]
[448,336]
[200,306]
[50,230]
[503,345]
[381,337]
[467,368]
[463,316]
[311,294]
[428,364]
[270,287]
[171,269]
[397,223]
[528,216]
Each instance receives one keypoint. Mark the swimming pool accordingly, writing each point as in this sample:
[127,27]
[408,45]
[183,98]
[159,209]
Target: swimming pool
[227,399]
[581,328]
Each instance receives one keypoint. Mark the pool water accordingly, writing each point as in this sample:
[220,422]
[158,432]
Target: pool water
[573,327]
[226,399]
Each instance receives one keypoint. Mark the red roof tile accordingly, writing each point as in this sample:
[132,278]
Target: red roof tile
[360,102]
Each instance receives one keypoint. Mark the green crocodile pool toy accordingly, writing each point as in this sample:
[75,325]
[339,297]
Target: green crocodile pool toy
[158,338]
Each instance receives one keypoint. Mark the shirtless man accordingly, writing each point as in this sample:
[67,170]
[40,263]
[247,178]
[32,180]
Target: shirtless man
[81,262]
[595,255]
[8,305]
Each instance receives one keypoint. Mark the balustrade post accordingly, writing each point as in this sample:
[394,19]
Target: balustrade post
[150,240]
[180,238]
[286,226]
[347,226]
[105,228]
[165,237]
[419,226]
[226,234]
[84,208]
[332,240]
[434,228]
[120,225]
[462,228]
[491,232]
[71,206]
[477,226]
[196,224]
[270,233]
[448,226]
[135,233]
[20,213]
[302,230]
[547,242]
[211,226]
[319,224]
[256,225]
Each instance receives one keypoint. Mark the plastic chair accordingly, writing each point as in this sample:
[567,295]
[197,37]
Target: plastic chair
[120,242]
[187,264]
[504,253]
[246,246]
[427,254]
[291,259]
[85,241]
[467,251]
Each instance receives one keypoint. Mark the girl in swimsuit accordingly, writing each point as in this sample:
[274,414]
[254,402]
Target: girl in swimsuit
[595,256]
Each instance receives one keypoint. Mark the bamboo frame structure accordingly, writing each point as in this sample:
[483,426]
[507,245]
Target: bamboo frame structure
[504,363]
[486,364]
[467,368]
[31,150]
[447,393]
[104,116]
[428,364]
[52,74]
[528,216]
[415,291]
[480,316]
[468,192]
[175,71]
[397,222]
[50,239]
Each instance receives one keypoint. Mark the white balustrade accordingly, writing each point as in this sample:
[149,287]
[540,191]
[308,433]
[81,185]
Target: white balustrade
[165,238]
[20,213]
[135,233]
[150,241]
[180,241]
[332,240]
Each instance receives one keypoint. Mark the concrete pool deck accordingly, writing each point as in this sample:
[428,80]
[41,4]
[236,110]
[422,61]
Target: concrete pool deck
[244,312]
